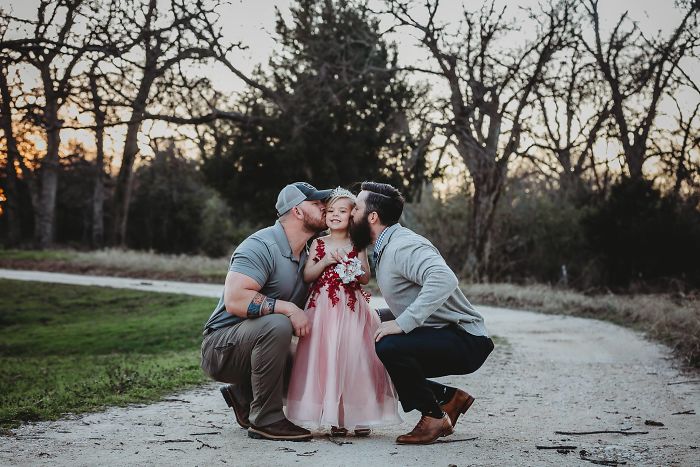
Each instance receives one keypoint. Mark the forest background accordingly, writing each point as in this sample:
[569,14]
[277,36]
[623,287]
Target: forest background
[551,142]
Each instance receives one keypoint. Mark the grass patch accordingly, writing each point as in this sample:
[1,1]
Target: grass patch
[78,349]
[671,319]
[120,263]
[36,255]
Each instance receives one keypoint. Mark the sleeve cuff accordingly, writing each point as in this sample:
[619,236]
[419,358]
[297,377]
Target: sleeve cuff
[406,322]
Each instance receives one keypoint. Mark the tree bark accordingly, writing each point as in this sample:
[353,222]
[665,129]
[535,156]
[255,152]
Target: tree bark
[98,191]
[13,214]
[122,190]
[49,168]
[488,187]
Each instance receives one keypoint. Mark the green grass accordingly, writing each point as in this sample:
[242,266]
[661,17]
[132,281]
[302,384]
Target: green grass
[119,262]
[37,255]
[73,349]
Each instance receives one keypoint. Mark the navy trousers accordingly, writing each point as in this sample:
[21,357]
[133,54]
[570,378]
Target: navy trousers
[428,353]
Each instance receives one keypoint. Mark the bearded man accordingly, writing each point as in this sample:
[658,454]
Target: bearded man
[247,338]
[436,331]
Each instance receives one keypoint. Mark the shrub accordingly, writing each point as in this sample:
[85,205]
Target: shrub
[644,237]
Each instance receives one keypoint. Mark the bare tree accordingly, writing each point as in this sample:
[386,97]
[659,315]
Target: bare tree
[108,36]
[637,72]
[12,155]
[161,39]
[679,151]
[11,150]
[571,116]
[489,92]
[54,50]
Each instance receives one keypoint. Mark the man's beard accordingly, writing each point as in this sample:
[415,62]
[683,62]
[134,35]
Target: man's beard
[360,233]
[314,225]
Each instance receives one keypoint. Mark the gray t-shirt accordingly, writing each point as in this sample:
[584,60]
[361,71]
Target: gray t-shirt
[267,258]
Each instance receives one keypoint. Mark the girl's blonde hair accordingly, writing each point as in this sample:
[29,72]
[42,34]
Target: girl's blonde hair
[340,193]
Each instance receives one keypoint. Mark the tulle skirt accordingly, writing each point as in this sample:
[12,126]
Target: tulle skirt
[337,378]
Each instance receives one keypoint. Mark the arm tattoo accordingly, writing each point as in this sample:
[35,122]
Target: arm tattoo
[255,306]
[261,306]
[268,306]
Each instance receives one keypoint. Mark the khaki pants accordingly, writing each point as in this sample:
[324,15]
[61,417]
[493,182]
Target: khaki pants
[254,355]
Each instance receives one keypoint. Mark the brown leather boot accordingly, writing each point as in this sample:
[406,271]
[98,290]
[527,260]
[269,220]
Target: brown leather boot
[458,405]
[427,430]
[235,401]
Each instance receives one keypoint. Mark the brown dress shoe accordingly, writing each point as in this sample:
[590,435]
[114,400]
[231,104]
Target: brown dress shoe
[284,430]
[235,401]
[459,404]
[427,430]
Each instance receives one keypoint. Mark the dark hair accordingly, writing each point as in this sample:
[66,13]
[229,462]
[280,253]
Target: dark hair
[385,200]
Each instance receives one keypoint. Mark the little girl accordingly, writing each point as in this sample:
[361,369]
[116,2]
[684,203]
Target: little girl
[337,378]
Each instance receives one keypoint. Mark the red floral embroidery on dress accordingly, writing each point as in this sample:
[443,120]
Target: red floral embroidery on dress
[331,280]
[320,251]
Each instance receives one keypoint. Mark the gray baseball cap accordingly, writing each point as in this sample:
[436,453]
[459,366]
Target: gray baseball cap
[296,193]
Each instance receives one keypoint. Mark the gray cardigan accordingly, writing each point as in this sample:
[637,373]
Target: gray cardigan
[419,287]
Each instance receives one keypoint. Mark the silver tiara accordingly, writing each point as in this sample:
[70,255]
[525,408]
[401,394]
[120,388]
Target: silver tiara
[341,192]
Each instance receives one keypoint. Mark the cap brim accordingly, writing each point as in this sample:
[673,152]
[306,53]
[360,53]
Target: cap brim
[319,194]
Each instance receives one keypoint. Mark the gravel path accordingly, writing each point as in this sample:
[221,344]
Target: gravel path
[548,373]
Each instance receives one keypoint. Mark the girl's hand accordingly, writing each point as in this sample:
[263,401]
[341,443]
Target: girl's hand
[335,257]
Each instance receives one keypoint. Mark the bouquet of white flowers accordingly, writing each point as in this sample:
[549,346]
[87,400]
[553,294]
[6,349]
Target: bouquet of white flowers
[349,269]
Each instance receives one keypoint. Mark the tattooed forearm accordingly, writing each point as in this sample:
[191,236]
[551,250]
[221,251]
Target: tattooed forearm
[268,306]
[261,306]
[255,306]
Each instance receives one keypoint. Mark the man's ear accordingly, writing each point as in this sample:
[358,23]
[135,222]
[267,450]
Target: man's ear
[373,217]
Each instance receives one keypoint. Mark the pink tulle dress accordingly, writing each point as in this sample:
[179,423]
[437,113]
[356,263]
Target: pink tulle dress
[337,378]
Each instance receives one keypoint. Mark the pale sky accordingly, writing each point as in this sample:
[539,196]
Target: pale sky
[252,22]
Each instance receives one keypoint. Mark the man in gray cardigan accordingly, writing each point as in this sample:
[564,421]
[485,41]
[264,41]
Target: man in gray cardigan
[436,332]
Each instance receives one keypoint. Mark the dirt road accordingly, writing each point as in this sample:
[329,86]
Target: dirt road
[547,374]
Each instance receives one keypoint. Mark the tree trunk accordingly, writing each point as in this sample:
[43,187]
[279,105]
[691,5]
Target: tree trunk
[14,223]
[488,186]
[49,176]
[122,191]
[98,192]
[635,159]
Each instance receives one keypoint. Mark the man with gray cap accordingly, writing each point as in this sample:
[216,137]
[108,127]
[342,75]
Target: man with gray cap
[247,338]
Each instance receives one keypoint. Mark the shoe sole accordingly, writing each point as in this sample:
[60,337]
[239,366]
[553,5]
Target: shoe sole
[442,434]
[229,402]
[257,434]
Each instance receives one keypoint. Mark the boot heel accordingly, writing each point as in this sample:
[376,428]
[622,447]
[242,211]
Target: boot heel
[224,393]
[467,404]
